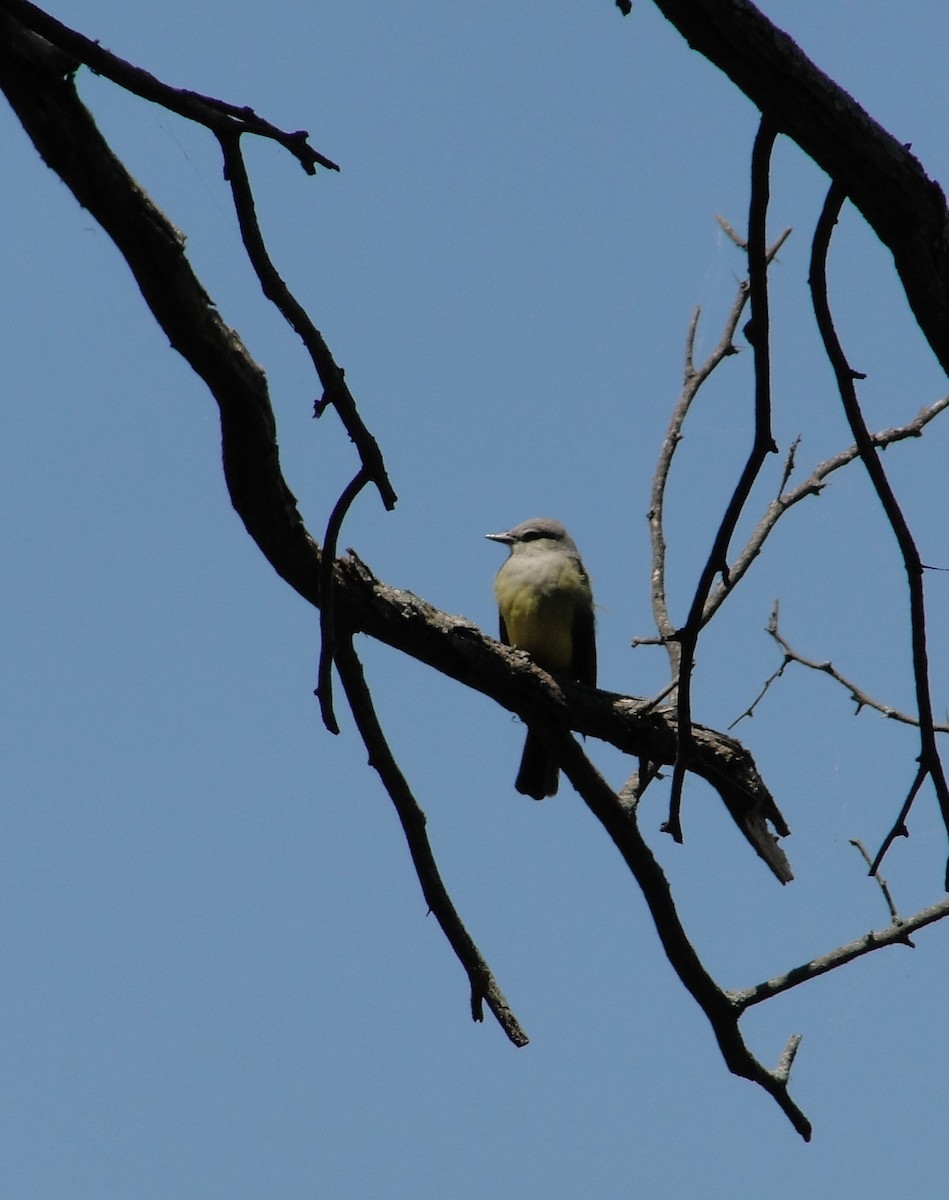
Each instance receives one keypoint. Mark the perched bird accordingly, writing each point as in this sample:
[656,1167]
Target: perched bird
[546,608]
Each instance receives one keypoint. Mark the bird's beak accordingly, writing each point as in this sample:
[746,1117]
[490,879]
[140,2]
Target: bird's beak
[500,537]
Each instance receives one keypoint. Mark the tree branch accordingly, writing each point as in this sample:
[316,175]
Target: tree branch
[860,698]
[64,133]
[813,486]
[722,1011]
[335,390]
[881,883]
[458,649]
[897,933]
[228,122]
[484,986]
[693,379]
[929,760]
[41,92]
[763,445]
[904,207]
[216,115]
[324,675]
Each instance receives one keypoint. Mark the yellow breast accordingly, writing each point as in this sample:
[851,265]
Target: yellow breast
[538,607]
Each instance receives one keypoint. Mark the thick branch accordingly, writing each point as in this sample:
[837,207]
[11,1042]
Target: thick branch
[904,207]
[42,94]
[460,650]
[228,122]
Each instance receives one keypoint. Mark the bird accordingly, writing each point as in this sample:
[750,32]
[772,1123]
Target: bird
[545,606]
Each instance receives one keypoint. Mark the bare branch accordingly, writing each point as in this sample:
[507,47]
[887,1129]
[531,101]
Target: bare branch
[783,1070]
[67,138]
[484,987]
[898,933]
[694,378]
[324,685]
[772,678]
[730,231]
[899,828]
[894,915]
[228,122]
[905,208]
[929,759]
[720,1007]
[336,393]
[789,464]
[861,698]
[217,115]
[812,486]
[45,100]
[762,446]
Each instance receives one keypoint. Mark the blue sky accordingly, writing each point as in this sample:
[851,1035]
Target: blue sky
[220,979]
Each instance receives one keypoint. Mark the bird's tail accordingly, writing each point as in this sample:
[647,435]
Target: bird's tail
[539,774]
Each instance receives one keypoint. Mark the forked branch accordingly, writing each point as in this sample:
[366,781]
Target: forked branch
[861,698]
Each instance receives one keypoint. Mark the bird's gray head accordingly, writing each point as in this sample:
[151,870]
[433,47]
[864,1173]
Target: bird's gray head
[537,529]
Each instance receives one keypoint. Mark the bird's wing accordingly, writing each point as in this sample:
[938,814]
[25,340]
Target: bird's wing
[584,645]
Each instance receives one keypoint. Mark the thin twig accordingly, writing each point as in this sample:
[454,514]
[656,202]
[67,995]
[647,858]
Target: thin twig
[896,934]
[484,987]
[788,1055]
[694,378]
[789,462]
[812,486]
[895,917]
[772,678]
[730,231]
[656,700]
[860,698]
